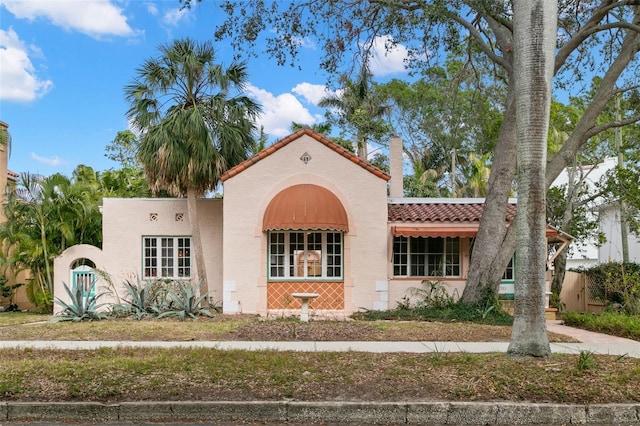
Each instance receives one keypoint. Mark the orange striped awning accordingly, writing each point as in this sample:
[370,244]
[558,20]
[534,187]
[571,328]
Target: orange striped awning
[305,206]
[436,231]
[462,230]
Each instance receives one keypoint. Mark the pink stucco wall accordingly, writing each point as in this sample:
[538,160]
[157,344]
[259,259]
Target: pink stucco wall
[125,221]
[246,196]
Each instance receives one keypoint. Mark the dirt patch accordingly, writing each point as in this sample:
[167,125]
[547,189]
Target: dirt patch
[413,331]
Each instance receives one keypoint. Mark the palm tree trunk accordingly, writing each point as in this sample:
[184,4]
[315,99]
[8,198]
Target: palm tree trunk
[196,239]
[45,253]
[534,43]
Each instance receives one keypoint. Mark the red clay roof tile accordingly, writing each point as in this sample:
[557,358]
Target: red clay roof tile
[441,212]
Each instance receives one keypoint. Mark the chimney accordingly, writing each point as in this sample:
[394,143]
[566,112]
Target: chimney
[396,189]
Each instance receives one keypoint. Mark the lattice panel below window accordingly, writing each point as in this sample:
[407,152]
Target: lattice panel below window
[331,295]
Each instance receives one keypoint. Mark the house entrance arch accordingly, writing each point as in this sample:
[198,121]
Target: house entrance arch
[83,276]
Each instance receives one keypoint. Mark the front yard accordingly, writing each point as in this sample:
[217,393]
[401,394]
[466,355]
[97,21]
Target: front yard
[134,374]
[18,326]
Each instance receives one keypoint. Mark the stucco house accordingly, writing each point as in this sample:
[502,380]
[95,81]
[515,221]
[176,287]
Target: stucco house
[304,215]
[8,181]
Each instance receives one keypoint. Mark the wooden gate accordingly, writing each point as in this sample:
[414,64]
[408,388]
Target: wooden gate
[85,278]
[579,294]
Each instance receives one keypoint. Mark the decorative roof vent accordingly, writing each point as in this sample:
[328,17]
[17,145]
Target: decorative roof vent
[305,158]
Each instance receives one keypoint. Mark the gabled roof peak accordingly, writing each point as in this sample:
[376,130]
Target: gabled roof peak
[297,135]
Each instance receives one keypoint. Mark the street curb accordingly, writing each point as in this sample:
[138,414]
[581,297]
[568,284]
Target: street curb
[381,413]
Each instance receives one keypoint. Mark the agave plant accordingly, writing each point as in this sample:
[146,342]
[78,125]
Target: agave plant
[82,305]
[185,302]
[142,298]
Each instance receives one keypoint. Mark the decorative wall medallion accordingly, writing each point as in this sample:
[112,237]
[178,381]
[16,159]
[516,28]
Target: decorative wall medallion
[305,158]
[179,217]
[153,217]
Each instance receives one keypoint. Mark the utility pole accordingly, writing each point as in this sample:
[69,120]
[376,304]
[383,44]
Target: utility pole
[453,172]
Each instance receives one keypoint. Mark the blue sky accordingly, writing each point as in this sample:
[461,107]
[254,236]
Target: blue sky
[64,65]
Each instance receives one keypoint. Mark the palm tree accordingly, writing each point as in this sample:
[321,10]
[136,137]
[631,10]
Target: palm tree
[478,173]
[44,216]
[359,107]
[194,124]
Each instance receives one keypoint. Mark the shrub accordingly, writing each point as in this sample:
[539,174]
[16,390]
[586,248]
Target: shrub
[618,285]
[613,323]
[7,291]
[432,294]
[437,304]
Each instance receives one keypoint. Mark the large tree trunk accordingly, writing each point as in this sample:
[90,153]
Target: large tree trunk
[196,239]
[559,271]
[492,248]
[490,257]
[534,43]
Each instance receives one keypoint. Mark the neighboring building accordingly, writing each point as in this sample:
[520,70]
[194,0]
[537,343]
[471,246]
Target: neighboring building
[304,215]
[588,253]
[609,225]
[8,181]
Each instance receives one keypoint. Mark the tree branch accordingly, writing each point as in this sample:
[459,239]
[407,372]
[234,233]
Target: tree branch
[591,27]
[612,125]
[477,36]
[604,93]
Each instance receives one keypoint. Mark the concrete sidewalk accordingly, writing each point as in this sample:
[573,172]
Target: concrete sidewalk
[589,341]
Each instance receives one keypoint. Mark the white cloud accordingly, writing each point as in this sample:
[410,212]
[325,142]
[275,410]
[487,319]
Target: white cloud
[18,79]
[93,18]
[51,161]
[384,61]
[174,16]
[152,8]
[305,42]
[313,93]
[279,111]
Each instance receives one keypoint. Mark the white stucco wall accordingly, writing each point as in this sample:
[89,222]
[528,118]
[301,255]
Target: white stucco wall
[611,249]
[246,196]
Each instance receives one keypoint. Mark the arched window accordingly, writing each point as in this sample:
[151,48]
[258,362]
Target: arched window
[306,225]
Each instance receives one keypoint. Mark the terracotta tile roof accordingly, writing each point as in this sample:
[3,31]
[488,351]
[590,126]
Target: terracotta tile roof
[292,137]
[440,212]
[12,174]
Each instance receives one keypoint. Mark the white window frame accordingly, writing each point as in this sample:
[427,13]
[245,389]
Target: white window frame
[403,259]
[164,257]
[283,259]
